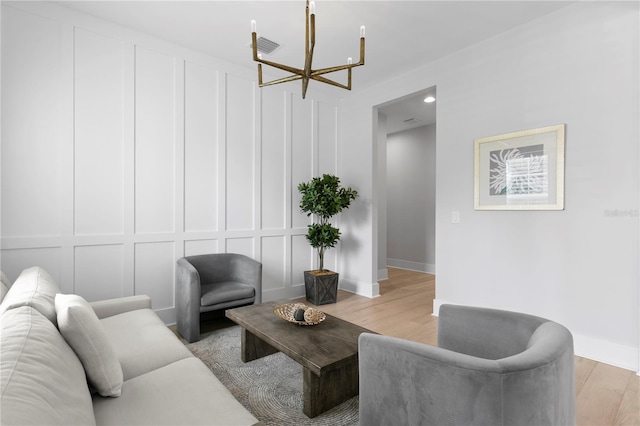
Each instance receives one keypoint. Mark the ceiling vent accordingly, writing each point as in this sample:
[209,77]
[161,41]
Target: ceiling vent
[266,46]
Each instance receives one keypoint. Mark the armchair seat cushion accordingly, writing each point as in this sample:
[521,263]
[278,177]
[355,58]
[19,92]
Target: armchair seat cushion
[226,291]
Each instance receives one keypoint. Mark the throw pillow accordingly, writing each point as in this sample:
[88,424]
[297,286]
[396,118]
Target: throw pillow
[81,328]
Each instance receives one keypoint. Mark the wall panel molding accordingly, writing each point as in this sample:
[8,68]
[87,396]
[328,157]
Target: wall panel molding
[240,153]
[99,78]
[157,152]
[155,140]
[99,271]
[201,195]
[33,98]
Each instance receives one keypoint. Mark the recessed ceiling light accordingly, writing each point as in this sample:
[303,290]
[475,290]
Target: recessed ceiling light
[429,99]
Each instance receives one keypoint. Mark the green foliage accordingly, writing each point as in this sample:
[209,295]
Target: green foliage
[323,235]
[324,198]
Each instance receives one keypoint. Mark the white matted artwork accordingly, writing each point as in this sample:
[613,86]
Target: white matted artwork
[521,170]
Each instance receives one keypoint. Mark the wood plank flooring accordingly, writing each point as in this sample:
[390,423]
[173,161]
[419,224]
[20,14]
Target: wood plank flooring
[605,395]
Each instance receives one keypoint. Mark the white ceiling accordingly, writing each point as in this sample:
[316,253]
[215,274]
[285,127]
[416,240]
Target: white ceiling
[400,35]
[410,112]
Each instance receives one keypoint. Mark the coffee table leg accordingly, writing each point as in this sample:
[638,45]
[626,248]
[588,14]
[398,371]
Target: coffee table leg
[324,392]
[252,347]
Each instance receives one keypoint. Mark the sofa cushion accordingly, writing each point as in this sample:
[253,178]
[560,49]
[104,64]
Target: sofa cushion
[42,380]
[184,392]
[142,342]
[82,329]
[226,291]
[4,285]
[34,287]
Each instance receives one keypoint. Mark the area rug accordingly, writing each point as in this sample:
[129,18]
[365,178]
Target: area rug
[270,387]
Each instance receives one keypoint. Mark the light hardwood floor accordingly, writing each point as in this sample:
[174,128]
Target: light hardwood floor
[605,395]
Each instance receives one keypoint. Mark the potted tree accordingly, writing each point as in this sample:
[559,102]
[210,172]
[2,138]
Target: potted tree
[323,197]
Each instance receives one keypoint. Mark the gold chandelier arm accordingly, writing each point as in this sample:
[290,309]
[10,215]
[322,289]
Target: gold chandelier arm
[333,69]
[311,44]
[342,67]
[333,83]
[287,68]
[281,80]
[254,45]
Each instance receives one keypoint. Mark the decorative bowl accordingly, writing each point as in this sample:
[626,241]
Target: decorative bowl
[312,316]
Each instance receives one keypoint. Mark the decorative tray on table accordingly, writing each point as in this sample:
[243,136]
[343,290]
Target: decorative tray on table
[299,313]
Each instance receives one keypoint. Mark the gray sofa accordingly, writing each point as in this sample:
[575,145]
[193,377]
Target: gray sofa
[61,356]
[491,367]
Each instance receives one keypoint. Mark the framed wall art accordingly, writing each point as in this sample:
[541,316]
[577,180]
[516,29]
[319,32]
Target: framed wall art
[520,171]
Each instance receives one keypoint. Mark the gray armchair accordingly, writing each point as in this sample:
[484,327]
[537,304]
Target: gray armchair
[491,367]
[214,282]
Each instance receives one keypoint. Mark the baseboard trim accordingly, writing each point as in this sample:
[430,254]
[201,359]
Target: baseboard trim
[599,350]
[292,292]
[607,352]
[383,274]
[296,291]
[369,290]
[167,315]
[412,266]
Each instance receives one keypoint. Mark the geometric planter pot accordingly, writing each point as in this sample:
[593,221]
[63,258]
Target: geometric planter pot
[321,288]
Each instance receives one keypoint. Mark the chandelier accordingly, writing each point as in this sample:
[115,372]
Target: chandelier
[307,73]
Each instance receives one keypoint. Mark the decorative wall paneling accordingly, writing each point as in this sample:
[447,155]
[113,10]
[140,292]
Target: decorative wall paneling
[122,153]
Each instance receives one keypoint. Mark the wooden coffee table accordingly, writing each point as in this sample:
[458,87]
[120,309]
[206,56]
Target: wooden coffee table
[328,352]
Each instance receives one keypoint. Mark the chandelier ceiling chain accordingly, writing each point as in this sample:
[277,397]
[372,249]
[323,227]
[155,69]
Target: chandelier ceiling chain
[307,73]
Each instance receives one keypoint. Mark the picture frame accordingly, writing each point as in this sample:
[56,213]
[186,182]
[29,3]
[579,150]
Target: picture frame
[520,171]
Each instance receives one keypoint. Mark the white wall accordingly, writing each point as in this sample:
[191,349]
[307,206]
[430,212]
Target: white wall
[411,196]
[122,153]
[580,266]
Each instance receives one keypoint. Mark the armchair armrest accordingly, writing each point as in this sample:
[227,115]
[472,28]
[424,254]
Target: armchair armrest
[188,300]
[248,271]
[109,307]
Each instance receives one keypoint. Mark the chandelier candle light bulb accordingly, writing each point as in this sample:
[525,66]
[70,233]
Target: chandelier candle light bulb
[307,73]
